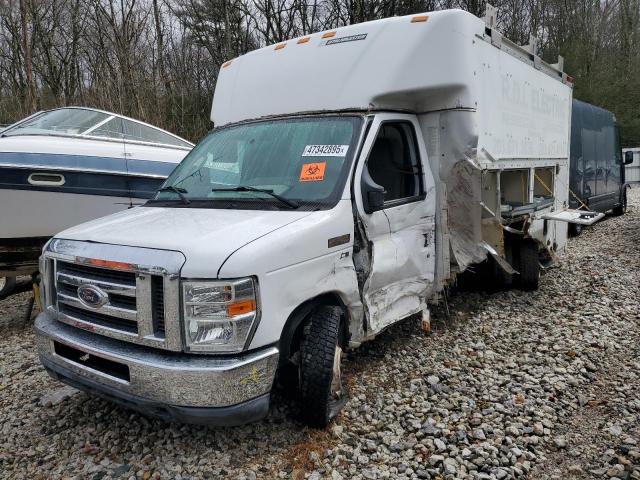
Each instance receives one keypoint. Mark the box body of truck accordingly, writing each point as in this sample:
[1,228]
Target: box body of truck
[352,174]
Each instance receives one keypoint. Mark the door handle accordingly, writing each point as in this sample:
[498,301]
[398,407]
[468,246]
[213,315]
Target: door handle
[46,179]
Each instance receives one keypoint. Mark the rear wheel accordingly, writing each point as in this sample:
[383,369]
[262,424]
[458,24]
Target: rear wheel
[622,208]
[7,285]
[575,229]
[528,264]
[322,392]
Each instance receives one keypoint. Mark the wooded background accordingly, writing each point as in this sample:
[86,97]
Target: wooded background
[157,60]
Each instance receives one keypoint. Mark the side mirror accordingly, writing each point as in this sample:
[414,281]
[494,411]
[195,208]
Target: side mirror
[628,157]
[372,193]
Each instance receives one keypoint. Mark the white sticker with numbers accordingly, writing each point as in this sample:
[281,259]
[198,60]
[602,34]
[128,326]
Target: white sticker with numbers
[325,151]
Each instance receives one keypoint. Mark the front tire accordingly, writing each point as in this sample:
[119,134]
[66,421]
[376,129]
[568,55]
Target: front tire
[322,392]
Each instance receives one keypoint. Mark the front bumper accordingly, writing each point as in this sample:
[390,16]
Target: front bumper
[187,388]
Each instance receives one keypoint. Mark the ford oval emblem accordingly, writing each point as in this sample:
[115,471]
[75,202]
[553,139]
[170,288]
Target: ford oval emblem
[92,296]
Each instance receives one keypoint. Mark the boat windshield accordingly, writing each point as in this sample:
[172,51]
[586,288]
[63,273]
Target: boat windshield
[292,163]
[92,123]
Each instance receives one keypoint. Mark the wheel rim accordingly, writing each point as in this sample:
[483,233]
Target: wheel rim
[336,380]
[3,283]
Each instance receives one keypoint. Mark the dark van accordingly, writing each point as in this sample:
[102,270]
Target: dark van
[597,169]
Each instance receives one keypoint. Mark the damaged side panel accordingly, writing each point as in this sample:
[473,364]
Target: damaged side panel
[458,170]
[389,296]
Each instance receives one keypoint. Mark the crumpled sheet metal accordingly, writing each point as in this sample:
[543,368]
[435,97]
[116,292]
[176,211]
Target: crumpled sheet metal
[461,173]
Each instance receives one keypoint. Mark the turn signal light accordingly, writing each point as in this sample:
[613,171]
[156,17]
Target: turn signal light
[280,46]
[420,19]
[240,308]
[303,40]
[328,34]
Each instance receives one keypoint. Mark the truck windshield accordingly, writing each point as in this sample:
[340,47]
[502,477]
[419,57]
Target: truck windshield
[294,163]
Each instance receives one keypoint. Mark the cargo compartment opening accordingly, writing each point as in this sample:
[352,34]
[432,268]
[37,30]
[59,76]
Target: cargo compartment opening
[543,182]
[514,193]
[490,194]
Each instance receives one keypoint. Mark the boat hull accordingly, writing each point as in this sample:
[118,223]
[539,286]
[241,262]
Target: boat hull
[28,213]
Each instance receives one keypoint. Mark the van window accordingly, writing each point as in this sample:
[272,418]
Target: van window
[394,162]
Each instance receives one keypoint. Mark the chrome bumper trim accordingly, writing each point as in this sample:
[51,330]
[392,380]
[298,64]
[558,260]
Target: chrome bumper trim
[165,378]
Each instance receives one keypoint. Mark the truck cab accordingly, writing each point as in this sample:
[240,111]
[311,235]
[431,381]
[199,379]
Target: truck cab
[251,236]
[343,187]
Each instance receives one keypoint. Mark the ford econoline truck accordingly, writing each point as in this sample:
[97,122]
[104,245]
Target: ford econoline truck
[351,176]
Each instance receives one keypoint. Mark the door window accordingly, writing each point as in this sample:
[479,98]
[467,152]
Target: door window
[394,163]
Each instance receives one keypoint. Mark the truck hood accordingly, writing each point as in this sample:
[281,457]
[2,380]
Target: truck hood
[204,236]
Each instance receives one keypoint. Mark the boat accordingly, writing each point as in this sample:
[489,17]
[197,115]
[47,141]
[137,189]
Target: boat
[65,166]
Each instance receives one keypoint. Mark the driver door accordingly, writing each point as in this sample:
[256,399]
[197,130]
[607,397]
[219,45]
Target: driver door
[400,232]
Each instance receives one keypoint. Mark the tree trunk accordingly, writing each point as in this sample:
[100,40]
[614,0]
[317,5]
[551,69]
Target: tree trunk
[30,93]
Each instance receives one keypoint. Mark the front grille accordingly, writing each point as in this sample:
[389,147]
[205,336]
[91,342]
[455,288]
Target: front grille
[99,319]
[157,304]
[128,305]
[97,273]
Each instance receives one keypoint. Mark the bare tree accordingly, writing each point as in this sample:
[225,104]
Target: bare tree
[158,60]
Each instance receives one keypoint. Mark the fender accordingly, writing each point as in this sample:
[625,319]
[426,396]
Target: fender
[291,333]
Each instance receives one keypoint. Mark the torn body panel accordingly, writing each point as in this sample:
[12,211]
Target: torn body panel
[454,143]
[402,270]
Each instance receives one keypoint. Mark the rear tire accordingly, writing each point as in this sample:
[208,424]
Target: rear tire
[7,284]
[322,392]
[528,265]
[622,208]
[575,229]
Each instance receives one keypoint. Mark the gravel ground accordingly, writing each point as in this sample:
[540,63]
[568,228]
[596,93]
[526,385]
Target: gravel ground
[509,385]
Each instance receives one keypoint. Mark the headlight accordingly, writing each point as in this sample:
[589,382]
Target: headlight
[219,315]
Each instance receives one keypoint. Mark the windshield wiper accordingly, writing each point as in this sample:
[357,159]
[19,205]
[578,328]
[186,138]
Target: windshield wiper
[178,190]
[289,203]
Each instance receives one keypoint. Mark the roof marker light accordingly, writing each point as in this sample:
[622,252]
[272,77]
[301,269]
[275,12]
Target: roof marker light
[280,46]
[420,19]
[226,64]
[303,40]
[328,34]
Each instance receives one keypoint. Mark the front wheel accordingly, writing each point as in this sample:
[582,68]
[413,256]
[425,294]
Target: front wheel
[7,285]
[322,392]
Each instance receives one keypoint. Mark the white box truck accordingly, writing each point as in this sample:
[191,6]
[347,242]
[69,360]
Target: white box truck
[350,176]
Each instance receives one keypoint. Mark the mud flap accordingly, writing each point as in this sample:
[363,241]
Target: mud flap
[499,260]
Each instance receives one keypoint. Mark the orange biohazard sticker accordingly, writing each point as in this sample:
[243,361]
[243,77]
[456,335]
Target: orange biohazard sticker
[312,172]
